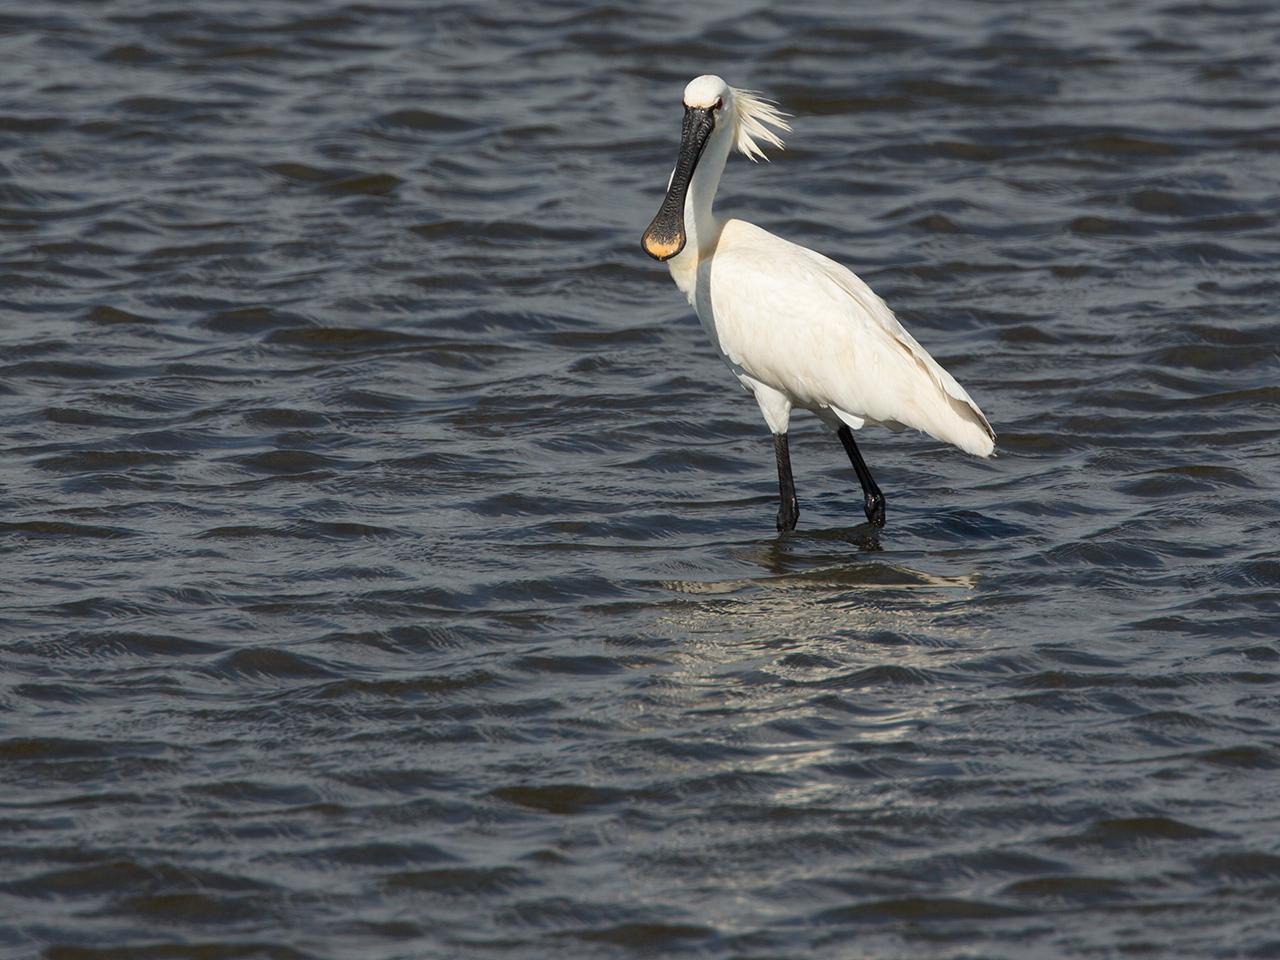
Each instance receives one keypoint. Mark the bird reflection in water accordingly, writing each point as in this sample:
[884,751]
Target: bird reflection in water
[808,587]
[810,662]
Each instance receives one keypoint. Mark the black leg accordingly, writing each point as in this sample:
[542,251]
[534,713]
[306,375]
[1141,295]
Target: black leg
[873,499]
[789,511]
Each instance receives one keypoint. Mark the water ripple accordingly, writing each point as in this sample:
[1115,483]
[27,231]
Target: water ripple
[391,565]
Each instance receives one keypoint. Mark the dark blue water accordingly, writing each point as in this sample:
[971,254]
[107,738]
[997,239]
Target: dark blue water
[389,565]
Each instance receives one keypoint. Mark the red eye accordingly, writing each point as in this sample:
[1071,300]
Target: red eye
[719,104]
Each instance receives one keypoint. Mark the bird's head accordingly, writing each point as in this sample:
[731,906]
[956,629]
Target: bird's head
[714,112]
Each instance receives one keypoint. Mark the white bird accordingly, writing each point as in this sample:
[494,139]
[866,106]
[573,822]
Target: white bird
[797,329]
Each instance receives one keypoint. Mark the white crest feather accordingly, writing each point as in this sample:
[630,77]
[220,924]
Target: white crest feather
[752,117]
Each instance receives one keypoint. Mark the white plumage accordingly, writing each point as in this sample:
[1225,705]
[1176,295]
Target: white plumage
[808,328]
[798,329]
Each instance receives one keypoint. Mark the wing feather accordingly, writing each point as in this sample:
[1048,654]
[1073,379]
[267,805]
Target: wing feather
[806,325]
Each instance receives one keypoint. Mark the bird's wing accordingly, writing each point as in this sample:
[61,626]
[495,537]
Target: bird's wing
[803,323]
[871,304]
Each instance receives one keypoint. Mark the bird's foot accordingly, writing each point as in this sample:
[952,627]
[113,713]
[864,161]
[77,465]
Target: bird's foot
[874,507]
[788,514]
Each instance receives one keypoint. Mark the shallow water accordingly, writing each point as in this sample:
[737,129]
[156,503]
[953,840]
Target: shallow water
[389,563]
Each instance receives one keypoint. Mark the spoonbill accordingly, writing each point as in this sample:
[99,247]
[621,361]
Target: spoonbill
[796,328]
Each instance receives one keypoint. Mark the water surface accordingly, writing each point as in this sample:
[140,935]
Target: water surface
[389,562]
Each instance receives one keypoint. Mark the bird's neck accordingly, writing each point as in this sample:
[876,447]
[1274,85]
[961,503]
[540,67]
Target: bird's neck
[701,226]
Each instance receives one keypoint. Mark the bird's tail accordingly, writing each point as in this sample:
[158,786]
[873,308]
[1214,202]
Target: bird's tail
[965,427]
[949,414]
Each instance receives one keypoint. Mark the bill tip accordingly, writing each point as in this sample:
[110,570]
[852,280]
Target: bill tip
[662,249]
